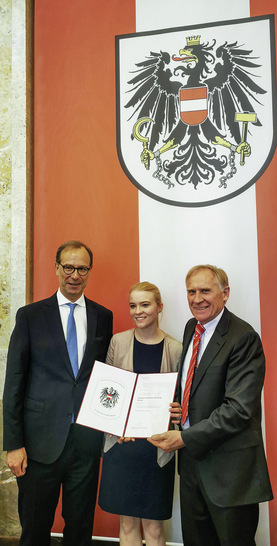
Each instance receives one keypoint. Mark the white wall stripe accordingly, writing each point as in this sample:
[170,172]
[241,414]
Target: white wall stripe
[228,230]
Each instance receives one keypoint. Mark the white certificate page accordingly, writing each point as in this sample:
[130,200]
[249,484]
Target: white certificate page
[149,413]
[123,403]
[107,399]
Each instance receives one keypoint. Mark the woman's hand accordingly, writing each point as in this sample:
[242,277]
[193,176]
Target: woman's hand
[125,439]
[175,413]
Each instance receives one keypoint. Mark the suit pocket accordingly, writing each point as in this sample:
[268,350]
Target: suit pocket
[34,405]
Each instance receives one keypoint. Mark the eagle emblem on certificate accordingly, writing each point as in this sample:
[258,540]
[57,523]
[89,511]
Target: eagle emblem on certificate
[109,397]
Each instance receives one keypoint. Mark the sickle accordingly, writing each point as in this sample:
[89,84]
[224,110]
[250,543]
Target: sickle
[141,138]
[136,132]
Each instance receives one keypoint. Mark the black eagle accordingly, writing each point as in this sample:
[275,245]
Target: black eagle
[229,71]
[109,397]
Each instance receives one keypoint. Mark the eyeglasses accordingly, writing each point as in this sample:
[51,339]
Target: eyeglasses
[69,270]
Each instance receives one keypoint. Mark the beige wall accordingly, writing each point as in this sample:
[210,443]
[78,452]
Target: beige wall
[12,210]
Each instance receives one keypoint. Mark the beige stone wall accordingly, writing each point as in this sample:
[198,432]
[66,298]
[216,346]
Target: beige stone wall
[12,211]
[5,170]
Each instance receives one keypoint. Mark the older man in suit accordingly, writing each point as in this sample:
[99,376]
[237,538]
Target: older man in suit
[42,396]
[222,465]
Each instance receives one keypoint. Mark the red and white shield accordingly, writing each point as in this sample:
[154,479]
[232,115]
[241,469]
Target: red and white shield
[194,104]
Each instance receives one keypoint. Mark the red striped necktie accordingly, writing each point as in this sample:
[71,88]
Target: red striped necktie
[199,329]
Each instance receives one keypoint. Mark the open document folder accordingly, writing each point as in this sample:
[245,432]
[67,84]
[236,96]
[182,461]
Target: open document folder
[124,403]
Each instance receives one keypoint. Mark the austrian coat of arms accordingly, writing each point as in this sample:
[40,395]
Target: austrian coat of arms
[196,109]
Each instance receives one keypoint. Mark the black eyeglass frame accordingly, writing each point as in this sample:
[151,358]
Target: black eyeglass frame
[73,269]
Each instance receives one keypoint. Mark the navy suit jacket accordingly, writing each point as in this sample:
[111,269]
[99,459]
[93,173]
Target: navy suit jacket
[225,436]
[41,393]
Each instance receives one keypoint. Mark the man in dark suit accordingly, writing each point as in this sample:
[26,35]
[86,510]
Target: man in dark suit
[222,465]
[42,397]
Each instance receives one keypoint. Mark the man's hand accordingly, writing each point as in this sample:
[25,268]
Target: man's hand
[175,413]
[17,461]
[168,441]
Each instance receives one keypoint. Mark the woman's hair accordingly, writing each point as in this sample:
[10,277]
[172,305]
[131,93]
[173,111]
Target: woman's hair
[219,275]
[146,286]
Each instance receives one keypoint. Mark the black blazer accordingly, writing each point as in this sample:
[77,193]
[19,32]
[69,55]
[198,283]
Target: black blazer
[40,392]
[225,436]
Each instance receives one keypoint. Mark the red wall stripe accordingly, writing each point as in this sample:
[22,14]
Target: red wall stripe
[266,191]
[80,189]
[267,236]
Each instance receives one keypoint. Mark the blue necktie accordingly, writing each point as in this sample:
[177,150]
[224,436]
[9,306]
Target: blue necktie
[71,340]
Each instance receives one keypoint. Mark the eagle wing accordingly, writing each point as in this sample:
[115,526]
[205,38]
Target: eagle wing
[154,95]
[103,394]
[233,89]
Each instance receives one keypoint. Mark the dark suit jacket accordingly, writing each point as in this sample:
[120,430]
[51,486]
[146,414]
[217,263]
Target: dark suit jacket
[225,436]
[40,391]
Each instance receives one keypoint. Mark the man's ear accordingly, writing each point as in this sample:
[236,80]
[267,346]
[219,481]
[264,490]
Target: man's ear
[226,293]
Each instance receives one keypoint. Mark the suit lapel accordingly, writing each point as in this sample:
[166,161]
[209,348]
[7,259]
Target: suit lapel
[189,330]
[214,346]
[52,313]
[91,332]
[188,335]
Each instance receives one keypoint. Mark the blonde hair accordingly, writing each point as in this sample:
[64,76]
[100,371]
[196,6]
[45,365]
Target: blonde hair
[146,286]
[220,276]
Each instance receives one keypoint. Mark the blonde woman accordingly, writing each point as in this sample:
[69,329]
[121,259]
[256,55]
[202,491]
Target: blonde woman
[137,479]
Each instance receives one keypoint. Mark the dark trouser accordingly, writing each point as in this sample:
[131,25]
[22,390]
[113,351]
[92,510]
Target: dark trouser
[204,523]
[76,470]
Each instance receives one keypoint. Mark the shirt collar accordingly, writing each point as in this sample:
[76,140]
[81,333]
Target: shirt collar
[62,300]
[212,324]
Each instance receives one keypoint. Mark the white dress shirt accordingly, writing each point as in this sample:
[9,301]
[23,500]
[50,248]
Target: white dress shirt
[80,316]
[205,338]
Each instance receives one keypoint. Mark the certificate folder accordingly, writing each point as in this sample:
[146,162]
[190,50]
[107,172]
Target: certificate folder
[124,403]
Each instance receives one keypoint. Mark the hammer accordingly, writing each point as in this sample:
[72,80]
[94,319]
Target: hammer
[245,117]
